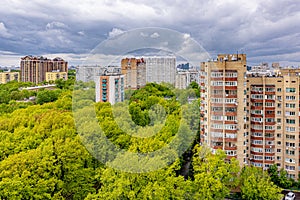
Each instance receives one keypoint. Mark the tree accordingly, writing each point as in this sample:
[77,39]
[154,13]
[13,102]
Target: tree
[256,184]
[214,177]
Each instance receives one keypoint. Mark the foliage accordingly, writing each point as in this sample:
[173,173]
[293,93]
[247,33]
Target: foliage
[44,156]
[214,177]
[256,184]
[45,96]
[279,177]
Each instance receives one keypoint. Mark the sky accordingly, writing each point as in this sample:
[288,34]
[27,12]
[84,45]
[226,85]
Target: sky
[267,31]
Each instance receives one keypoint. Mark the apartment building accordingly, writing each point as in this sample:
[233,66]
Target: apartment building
[6,77]
[33,69]
[110,87]
[134,70]
[185,77]
[223,105]
[53,76]
[161,69]
[88,73]
[273,119]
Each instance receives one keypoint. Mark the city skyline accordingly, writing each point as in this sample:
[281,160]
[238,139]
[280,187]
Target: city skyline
[266,31]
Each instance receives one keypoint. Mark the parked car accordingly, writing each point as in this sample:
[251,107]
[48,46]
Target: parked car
[290,196]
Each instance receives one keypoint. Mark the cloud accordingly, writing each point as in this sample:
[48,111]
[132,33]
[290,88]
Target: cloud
[3,31]
[115,32]
[264,29]
[56,25]
[154,35]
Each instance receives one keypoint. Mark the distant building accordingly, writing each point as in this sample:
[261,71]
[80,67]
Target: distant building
[53,76]
[110,87]
[184,78]
[134,70]
[185,66]
[161,69]
[88,73]
[33,69]
[6,77]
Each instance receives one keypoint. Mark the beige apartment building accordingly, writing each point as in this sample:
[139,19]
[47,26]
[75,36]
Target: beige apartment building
[6,77]
[134,70]
[254,118]
[33,69]
[53,76]
[273,119]
[223,105]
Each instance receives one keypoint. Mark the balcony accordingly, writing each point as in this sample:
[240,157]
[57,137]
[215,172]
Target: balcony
[228,157]
[230,147]
[230,139]
[256,153]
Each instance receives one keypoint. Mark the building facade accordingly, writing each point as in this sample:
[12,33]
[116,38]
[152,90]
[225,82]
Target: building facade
[110,88]
[33,69]
[134,70]
[53,76]
[273,112]
[161,69]
[88,73]
[223,105]
[185,77]
[6,77]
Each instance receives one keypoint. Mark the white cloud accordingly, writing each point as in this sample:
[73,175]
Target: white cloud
[3,31]
[154,35]
[56,25]
[115,32]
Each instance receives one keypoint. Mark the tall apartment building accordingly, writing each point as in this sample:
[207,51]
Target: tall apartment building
[33,69]
[134,70]
[273,111]
[110,87]
[6,77]
[223,105]
[88,73]
[161,69]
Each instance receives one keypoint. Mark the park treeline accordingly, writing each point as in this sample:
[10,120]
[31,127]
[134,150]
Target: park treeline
[45,152]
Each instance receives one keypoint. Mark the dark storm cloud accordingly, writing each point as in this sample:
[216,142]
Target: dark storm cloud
[266,30]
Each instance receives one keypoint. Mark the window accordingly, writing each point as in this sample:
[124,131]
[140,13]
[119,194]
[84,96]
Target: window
[278,150]
[290,121]
[290,129]
[278,112]
[278,89]
[290,105]
[278,158]
[291,137]
[278,120]
[279,105]
[290,89]
[290,113]
[290,97]
[279,143]
[278,135]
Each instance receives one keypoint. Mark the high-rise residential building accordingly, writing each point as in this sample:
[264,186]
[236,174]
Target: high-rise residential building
[110,87]
[273,119]
[254,118]
[88,73]
[161,69]
[33,69]
[53,76]
[223,105]
[134,70]
[6,77]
